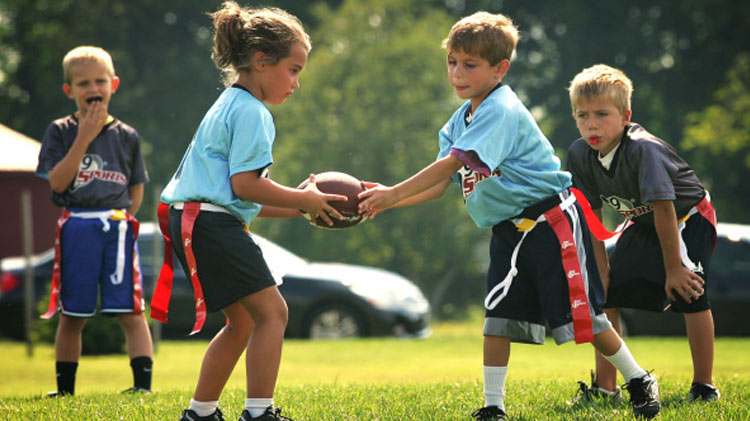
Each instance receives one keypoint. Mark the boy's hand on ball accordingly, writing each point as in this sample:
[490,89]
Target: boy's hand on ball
[375,199]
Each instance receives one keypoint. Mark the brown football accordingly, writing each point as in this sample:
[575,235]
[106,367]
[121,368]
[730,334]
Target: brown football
[334,182]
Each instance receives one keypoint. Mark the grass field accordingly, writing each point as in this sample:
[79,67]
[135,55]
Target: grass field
[438,378]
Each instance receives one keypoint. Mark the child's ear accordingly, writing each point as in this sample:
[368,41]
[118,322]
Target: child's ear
[67,90]
[626,117]
[502,68]
[259,61]
[115,84]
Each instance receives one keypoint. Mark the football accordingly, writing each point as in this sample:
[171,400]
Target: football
[334,182]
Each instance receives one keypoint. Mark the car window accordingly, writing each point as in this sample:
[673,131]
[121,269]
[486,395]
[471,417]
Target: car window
[730,266]
[146,249]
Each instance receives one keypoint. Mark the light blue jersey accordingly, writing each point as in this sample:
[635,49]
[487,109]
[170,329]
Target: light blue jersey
[236,135]
[517,166]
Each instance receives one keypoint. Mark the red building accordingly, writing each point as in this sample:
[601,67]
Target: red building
[18,159]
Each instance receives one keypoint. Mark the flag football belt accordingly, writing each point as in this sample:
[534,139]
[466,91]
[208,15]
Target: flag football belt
[163,291]
[117,277]
[579,305]
[704,207]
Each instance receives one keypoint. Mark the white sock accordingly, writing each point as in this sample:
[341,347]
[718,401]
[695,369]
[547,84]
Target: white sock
[494,386]
[625,363]
[203,409]
[257,406]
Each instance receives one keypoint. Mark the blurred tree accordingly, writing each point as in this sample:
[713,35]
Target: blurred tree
[720,134]
[373,97]
[375,94]
[161,54]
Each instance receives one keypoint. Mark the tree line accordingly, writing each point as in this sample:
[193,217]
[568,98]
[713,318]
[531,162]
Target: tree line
[375,93]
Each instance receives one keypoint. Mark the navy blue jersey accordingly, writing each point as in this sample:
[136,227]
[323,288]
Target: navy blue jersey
[644,168]
[112,163]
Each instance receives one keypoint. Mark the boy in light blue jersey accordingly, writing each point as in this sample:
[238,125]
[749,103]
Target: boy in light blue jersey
[542,267]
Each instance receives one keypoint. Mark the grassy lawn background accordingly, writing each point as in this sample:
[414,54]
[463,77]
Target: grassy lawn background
[376,379]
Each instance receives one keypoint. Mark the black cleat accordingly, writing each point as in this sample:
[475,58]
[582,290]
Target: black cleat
[644,396]
[190,415]
[704,392]
[489,413]
[271,414]
[135,390]
[56,394]
[589,393]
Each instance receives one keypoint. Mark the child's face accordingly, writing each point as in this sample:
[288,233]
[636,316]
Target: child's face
[277,82]
[90,81]
[473,77]
[601,123]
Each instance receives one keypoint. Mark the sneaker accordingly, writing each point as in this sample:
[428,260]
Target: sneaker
[271,414]
[136,390]
[489,413]
[589,393]
[190,415]
[704,392]
[644,396]
[56,394]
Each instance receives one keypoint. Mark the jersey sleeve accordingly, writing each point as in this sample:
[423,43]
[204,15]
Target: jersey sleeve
[445,142]
[53,150]
[655,172]
[251,137]
[490,135]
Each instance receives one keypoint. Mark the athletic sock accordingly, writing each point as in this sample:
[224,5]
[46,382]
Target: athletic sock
[142,372]
[625,363]
[66,377]
[257,406]
[203,409]
[494,386]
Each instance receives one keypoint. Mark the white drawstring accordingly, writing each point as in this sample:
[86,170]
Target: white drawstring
[489,303]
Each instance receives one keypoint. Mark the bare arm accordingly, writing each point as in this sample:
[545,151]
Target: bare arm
[249,186]
[679,278]
[136,197]
[276,212]
[89,126]
[417,189]
[600,254]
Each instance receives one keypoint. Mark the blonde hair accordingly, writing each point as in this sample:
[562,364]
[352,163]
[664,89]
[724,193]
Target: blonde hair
[601,81]
[241,32]
[83,54]
[490,36]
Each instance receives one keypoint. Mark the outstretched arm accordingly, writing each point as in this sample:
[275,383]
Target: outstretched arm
[250,186]
[416,189]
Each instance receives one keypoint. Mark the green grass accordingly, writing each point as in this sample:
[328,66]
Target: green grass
[376,379]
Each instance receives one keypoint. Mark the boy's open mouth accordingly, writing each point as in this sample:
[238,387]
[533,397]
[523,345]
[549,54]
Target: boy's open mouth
[94,98]
[594,140]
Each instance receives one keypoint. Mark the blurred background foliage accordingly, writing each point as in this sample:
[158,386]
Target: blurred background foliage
[375,94]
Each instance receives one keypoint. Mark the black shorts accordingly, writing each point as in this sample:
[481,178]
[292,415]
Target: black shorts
[637,276]
[230,264]
[539,293]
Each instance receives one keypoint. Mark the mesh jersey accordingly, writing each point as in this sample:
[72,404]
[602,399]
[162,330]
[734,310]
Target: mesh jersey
[510,164]
[112,163]
[236,135]
[644,168]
